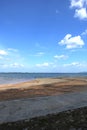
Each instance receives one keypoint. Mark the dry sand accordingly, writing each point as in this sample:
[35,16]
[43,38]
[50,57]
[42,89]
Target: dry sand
[42,87]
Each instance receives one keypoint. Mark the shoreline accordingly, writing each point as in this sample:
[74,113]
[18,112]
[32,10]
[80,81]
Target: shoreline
[42,87]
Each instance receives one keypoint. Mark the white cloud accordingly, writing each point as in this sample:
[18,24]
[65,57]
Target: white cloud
[16,65]
[60,56]
[3,52]
[13,65]
[81,13]
[76,64]
[45,64]
[78,3]
[40,54]
[72,42]
[12,49]
[10,59]
[80,8]
[84,33]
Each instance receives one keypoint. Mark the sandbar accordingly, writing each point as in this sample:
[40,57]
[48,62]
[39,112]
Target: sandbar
[42,87]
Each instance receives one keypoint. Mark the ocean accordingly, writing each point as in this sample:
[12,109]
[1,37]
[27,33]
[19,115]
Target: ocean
[9,78]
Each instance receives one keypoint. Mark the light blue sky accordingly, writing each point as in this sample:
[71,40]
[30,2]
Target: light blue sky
[43,35]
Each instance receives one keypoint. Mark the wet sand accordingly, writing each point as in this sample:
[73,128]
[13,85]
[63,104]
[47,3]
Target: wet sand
[42,87]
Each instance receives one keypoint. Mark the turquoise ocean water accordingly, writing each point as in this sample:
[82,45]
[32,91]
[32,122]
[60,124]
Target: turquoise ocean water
[8,78]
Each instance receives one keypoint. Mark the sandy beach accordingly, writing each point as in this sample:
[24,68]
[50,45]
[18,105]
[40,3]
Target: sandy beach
[42,87]
[40,97]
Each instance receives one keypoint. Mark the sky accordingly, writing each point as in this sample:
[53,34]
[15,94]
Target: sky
[43,36]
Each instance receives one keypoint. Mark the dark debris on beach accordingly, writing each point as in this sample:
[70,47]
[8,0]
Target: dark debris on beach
[68,120]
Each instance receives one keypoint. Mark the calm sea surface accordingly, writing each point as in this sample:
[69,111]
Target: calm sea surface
[8,78]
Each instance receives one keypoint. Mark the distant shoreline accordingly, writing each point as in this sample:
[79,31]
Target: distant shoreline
[16,77]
